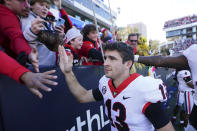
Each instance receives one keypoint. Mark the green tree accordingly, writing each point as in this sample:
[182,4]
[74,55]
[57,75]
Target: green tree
[135,30]
[142,47]
[154,46]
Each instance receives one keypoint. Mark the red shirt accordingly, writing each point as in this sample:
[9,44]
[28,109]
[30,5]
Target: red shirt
[135,48]
[87,45]
[71,48]
[10,67]
[76,59]
[11,36]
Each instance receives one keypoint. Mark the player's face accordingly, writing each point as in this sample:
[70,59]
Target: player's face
[19,7]
[113,65]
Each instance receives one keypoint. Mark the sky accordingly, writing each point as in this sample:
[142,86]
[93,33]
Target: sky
[153,13]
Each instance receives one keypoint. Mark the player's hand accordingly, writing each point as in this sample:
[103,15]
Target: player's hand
[34,81]
[37,25]
[33,58]
[66,60]
[60,30]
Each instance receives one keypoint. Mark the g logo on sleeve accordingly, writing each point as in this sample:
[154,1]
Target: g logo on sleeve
[104,90]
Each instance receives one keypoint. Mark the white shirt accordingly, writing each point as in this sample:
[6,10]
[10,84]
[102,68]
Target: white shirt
[125,104]
[191,55]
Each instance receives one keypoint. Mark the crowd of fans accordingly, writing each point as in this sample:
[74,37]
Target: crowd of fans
[30,34]
[181,21]
[183,44]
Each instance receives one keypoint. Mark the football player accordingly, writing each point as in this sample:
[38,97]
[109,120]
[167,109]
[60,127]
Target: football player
[132,101]
[185,61]
[184,97]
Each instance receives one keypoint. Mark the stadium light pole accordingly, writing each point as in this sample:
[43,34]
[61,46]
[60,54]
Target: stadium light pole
[95,21]
[112,22]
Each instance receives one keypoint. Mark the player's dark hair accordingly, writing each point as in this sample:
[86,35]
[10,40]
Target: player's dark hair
[87,29]
[125,51]
[133,34]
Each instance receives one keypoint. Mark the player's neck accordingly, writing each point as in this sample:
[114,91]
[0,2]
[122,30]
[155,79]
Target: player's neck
[120,79]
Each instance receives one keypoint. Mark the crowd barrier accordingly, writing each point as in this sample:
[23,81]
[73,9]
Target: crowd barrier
[20,110]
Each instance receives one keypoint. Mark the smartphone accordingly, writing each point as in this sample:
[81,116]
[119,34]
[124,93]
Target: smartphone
[60,21]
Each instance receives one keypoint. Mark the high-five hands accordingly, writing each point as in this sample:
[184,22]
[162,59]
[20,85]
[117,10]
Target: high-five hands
[66,60]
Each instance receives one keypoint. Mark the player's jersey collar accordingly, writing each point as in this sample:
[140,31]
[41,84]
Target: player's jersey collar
[123,85]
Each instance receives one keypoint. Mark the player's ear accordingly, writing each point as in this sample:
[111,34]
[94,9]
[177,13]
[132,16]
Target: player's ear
[129,64]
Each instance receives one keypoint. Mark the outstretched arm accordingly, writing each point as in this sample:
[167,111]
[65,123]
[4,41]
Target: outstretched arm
[81,94]
[178,62]
[34,81]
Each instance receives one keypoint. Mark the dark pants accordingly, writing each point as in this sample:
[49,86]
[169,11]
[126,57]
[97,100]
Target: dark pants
[193,117]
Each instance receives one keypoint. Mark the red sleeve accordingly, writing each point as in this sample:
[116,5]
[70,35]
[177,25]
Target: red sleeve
[11,28]
[135,50]
[85,48]
[68,23]
[145,107]
[10,67]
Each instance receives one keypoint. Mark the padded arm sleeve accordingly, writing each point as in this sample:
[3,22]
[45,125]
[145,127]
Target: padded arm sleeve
[156,115]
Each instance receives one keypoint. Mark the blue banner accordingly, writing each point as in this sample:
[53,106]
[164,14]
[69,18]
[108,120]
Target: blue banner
[57,111]
[20,110]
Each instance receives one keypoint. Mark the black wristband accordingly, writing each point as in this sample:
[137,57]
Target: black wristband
[97,94]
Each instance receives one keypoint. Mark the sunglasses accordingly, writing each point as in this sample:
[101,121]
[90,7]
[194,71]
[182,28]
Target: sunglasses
[133,40]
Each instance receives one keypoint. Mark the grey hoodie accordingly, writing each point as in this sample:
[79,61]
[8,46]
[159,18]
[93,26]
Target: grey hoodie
[45,56]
